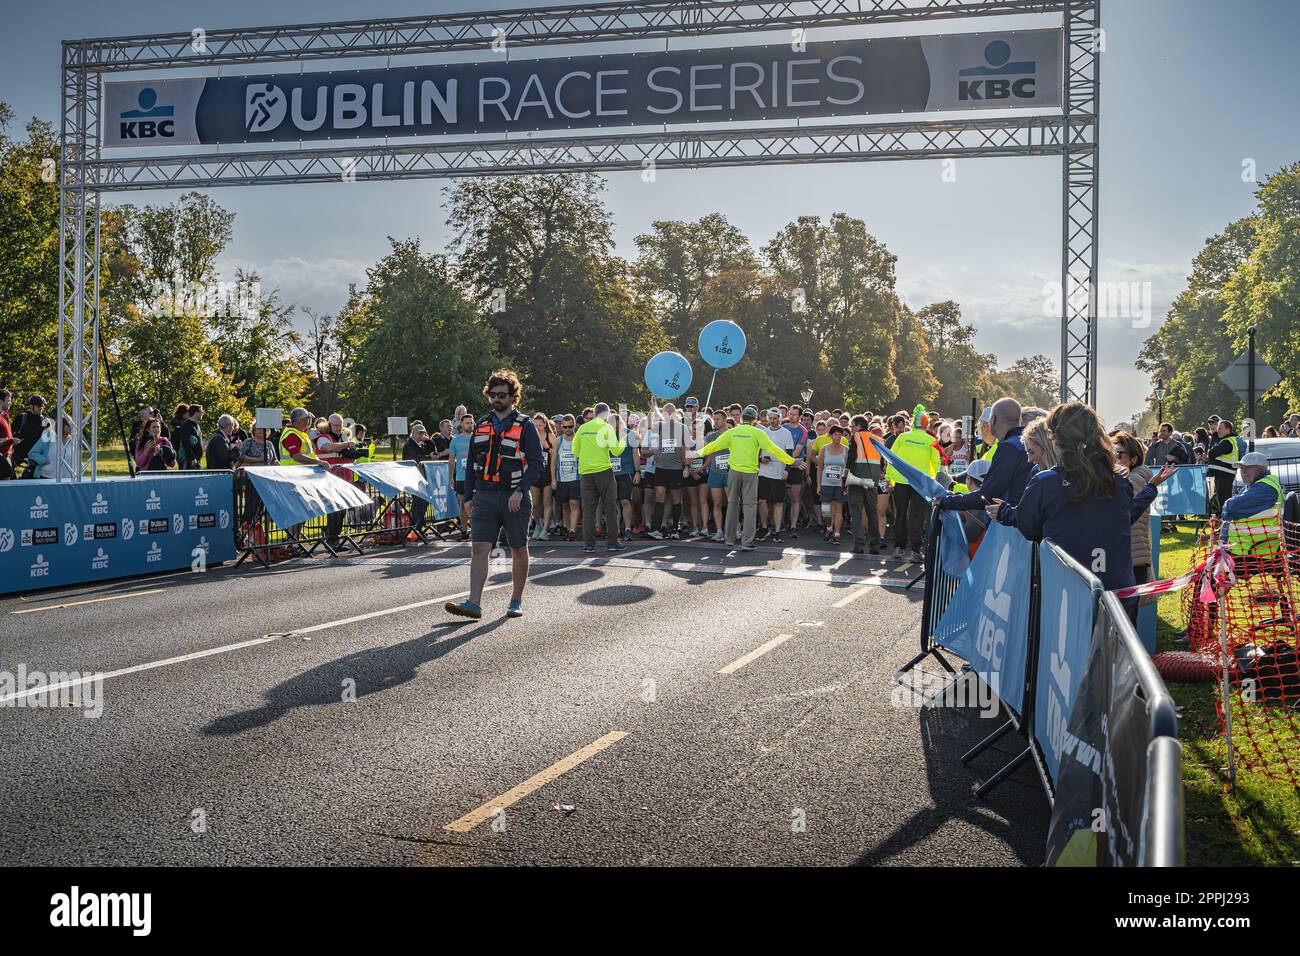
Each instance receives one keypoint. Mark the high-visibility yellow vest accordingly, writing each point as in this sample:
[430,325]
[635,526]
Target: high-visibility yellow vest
[369,456]
[308,449]
[1261,533]
[915,447]
[990,452]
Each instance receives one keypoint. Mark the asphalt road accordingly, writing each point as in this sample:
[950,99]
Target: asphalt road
[680,704]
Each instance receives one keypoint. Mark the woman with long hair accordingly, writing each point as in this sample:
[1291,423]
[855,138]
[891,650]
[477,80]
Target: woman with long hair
[1039,449]
[1129,455]
[1082,504]
[542,492]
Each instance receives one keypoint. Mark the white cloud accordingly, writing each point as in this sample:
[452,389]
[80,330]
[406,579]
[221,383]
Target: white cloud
[318,284]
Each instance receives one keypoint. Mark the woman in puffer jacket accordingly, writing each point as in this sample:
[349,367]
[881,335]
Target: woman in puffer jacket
[1129,455]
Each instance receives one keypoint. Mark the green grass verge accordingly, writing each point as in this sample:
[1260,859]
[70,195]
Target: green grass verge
[1259,822]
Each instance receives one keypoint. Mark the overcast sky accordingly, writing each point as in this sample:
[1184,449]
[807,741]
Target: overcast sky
[1191,90]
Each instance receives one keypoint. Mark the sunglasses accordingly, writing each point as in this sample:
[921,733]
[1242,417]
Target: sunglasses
[498,394]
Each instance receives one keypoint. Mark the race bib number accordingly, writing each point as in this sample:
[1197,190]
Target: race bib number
[616,464]
[668,447]
[461,463]
[568,466]
[834,475]
[722,461]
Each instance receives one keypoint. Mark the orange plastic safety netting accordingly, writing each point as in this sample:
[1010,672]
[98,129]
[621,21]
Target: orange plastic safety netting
[1255,612]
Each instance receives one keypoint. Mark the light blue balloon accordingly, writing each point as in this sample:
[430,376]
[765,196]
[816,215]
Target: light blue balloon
[722,343]
[668,375]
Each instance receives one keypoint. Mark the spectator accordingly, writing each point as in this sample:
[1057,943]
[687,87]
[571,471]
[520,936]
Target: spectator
[1271,432]
[187,439]
[153,451]
[419,448]
[1223,456]
[1130,458]
[6,436]
[142,419]
[1083,505]
[258,449]
[179,415]
[29,428]
[442,440]
[1291,429]
[1031,414]
[1168,447]
[1039,448]
[1009,466]
[222,452]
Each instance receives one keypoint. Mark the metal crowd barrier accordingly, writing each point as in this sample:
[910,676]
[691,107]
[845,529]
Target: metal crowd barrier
[385,521]
[1156,770]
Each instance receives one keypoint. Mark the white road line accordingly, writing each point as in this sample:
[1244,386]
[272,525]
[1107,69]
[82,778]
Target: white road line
[46,688]
[850,598]
[755,654]
[226,648]
[98,600]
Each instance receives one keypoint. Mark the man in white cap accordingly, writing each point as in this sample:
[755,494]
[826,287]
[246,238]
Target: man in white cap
[1252,520]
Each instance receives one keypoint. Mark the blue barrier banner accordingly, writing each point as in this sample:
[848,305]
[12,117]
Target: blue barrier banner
[1068,599]
[1184,493]
[987,620]
[954,551]
[442,496]
[294,494]
[393,478]
[1146,623]
[56,533]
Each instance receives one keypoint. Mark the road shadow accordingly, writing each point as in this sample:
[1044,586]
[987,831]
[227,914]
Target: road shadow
[1015,813]
[615,595]
[374,670]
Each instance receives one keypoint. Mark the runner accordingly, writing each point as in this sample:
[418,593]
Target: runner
[718,470]
[626,466]
[797,474]
[832,466]
[668,444]
[505,463]
[564,474]
[771,478]
[459,447]
[543,491]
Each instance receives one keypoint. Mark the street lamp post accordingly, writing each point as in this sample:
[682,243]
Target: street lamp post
[1160,401]
[806,393]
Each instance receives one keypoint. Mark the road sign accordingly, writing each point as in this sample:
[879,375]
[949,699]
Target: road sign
[1236,376]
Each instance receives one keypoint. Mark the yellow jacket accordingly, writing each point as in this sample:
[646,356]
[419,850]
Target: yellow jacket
[593,444]
[745,442]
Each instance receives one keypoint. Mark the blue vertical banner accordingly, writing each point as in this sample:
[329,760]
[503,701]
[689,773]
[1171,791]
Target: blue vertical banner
[1068,597]
[1146,622]
[55,533]
[1186,492]
[987,620]
[441,494]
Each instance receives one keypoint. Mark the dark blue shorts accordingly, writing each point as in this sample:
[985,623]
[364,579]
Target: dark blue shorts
[492,513]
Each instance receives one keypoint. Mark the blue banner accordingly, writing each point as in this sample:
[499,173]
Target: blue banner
[1184,493]
[56,533]
[507,94]
[1067,607]
[294,494]
[441,494]
[987,620]
[954,551]
[393,478]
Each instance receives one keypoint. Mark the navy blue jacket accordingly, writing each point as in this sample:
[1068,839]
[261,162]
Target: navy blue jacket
[1081,530]
[1008,473]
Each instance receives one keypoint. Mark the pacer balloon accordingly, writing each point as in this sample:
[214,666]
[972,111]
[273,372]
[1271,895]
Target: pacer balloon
[722,343]
[668,375]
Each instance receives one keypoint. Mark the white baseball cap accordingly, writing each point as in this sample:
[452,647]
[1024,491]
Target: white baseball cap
[1253,458]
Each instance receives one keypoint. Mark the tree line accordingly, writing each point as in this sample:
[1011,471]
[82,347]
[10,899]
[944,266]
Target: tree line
[530,279]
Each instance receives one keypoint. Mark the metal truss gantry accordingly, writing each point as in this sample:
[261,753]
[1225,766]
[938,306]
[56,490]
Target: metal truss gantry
[85,173]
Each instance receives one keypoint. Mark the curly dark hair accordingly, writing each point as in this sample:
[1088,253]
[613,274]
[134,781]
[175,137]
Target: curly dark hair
[1087,459]
[503,376]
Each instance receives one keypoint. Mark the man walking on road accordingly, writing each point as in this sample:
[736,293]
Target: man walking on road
[594,444]
[505,463]
[744,443]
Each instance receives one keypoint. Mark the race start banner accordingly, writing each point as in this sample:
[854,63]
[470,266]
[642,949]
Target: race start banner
[987,620]
[856,77]
[1068,602]
[56,533]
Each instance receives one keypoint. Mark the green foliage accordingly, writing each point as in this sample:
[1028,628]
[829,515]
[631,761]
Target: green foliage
[419,347]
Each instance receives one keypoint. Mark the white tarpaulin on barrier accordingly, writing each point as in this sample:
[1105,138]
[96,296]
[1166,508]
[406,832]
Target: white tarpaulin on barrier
[293,495]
